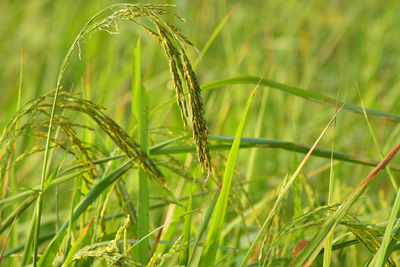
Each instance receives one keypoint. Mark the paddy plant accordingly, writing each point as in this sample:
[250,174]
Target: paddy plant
[153,182]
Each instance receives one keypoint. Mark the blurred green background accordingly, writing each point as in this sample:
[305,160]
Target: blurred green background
[326,47]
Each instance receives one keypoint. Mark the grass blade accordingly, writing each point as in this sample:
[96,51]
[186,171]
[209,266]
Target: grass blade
[187,224]
[380,256]
[249,142]
[309,253]
[33,235]
[257,131]
[139,108]
[77,243]
[384,250]
[217,220]
[328,247]
[16,213]
[212,38]
[4,203]
[52,249]
[28,243]
[6,241]
[203,227]
[308,95]
[282,193]
[152,232]
[377,147]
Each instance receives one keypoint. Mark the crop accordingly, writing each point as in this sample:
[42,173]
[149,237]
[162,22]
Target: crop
[130,159]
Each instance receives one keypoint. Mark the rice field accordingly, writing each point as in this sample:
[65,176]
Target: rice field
[199,133]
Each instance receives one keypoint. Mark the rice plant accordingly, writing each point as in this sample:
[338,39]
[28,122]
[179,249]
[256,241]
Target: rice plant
[211,133]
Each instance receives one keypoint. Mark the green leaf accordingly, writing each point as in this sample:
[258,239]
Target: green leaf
[203,227]
[217,220]
[284,189]
[249,142]
[308,95]
[316,244]
[188,221]
[139,107]
[77,243]
[212,38]
[380,258]
[52,249]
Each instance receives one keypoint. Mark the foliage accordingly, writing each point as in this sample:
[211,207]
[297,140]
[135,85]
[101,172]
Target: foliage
[104,170]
